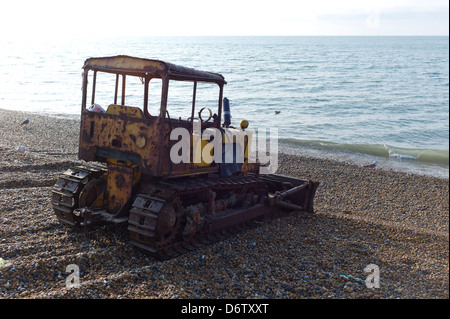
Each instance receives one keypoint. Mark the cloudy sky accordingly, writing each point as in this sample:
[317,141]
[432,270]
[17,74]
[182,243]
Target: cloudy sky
[50,18]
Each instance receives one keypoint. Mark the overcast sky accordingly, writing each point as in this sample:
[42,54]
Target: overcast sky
[50,18]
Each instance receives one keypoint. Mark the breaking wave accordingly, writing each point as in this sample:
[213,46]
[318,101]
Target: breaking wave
[428,157]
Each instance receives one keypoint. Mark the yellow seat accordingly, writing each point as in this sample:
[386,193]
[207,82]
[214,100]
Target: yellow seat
[129,111]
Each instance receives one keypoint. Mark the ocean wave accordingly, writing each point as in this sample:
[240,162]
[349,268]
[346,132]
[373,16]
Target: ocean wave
[429,157]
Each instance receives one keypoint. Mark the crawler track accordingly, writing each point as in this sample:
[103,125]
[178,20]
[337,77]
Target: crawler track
[201,210]
[66,191]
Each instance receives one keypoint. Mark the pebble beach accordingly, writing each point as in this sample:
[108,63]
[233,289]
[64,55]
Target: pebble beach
[397,221]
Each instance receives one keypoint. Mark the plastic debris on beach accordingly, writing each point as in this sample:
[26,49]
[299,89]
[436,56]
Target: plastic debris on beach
[4,264]
[358,280]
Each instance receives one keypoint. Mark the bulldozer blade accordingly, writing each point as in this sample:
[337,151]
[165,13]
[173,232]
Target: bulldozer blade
[291,193]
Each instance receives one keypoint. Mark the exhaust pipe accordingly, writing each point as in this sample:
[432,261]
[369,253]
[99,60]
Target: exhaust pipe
[226,112]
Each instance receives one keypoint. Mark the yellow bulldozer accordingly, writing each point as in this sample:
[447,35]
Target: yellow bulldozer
[161,161]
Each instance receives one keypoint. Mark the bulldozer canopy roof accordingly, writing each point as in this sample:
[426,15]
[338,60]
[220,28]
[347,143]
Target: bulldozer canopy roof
[123,64]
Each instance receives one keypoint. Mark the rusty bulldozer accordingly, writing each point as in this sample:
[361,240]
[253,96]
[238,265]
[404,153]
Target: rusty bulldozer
[143,166]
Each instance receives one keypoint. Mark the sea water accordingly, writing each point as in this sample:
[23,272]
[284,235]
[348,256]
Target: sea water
[356,99]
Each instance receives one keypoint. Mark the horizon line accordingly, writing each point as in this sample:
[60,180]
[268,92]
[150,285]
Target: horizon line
[275,35]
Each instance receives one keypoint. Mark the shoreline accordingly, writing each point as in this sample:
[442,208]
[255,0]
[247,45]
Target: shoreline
[340,152]
[302,149]
[398,221]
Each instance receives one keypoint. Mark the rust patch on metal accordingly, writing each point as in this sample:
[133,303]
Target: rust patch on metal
[119,186]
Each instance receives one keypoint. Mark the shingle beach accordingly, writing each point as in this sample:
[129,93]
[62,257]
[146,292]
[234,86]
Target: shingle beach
[396,221]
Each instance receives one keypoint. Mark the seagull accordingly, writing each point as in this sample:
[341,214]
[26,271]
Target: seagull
[277,112]
[21,150]
[373,165]
[26,121]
